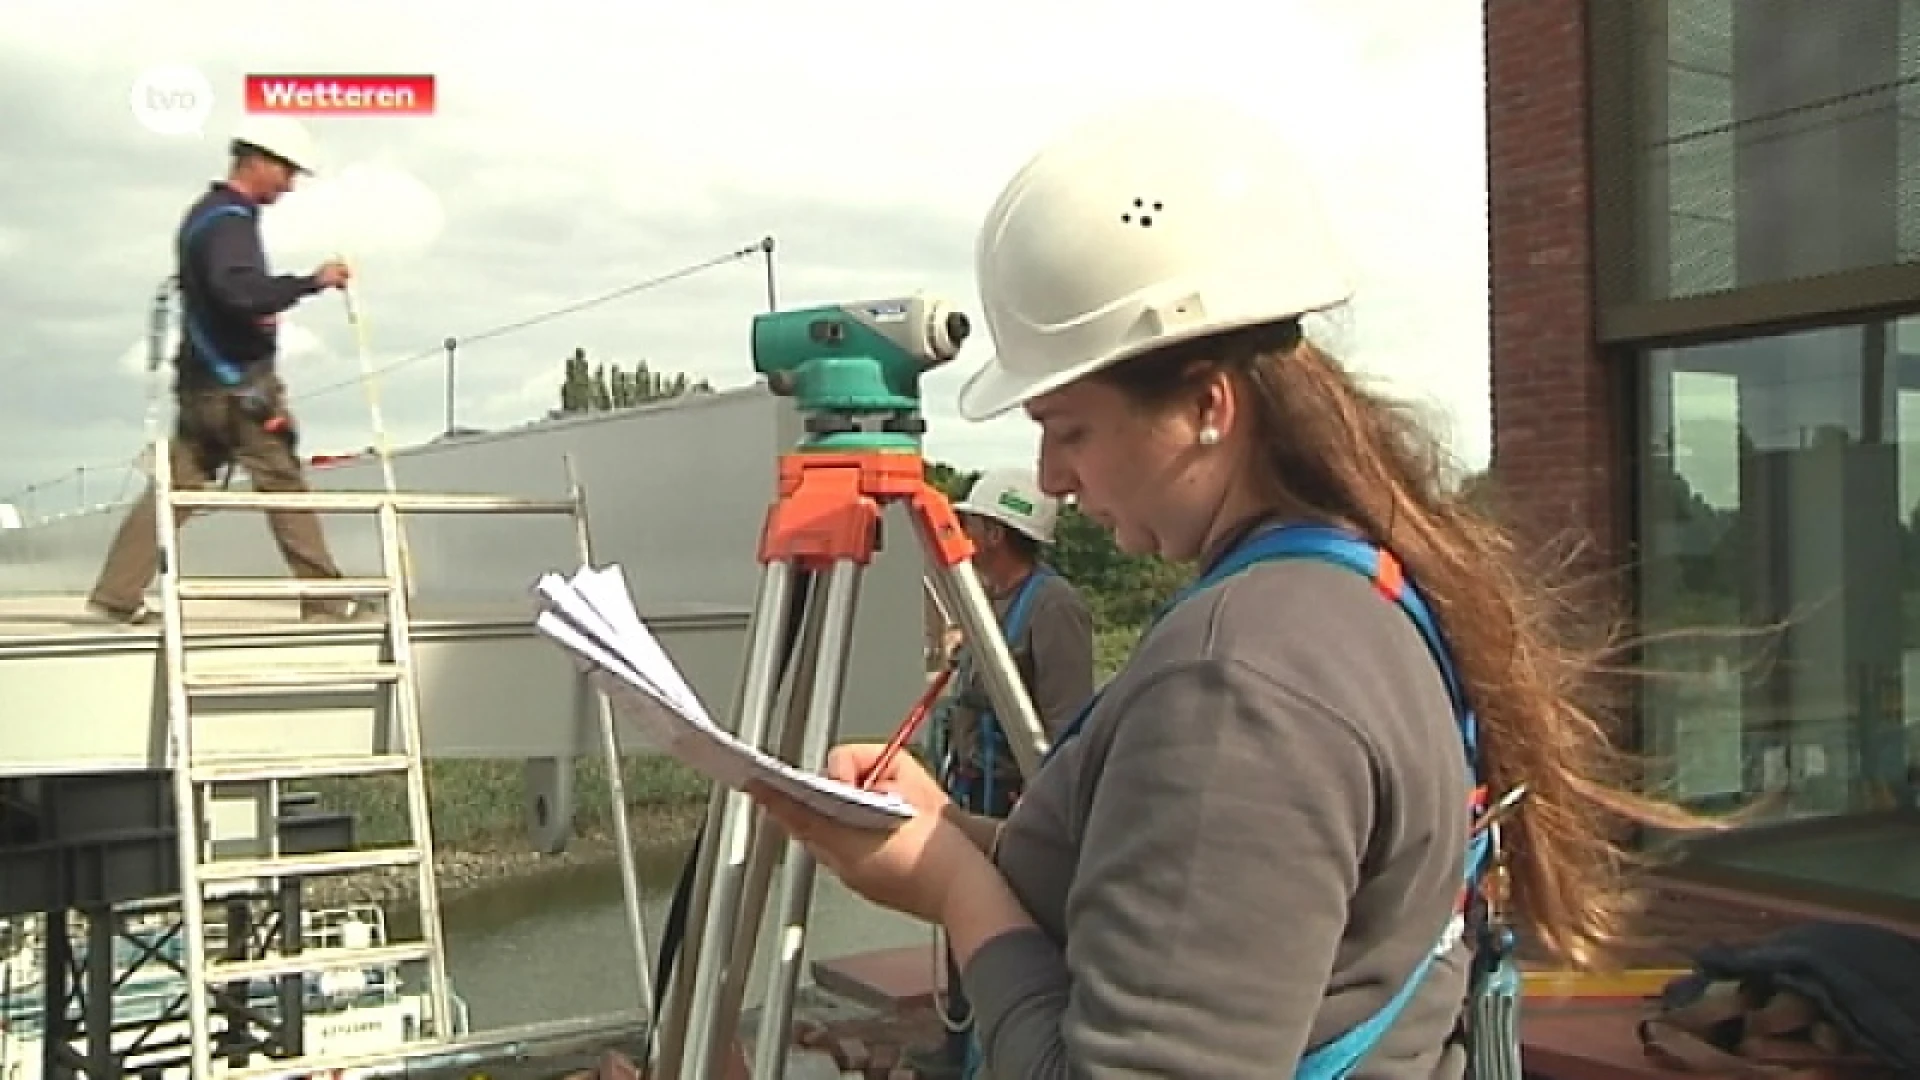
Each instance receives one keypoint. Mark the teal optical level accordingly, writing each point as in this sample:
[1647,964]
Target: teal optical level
[843,363]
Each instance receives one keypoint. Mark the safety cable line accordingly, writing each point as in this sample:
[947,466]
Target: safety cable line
[1784,113]
[758,247]
[546,316]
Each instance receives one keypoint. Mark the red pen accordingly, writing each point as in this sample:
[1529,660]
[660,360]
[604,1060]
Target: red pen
[911,724]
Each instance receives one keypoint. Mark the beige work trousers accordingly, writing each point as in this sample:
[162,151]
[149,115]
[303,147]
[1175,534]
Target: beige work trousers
[211,431]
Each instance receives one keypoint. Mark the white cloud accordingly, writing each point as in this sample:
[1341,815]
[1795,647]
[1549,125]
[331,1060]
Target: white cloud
[584,147]
[369,212]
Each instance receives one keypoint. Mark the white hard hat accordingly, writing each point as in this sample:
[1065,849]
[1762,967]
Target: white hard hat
[282,136]
[1013,498]
[1145,227]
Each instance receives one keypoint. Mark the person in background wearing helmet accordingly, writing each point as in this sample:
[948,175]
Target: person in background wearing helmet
[231,404]
[1049,633]
[1046,623]
[1247,856]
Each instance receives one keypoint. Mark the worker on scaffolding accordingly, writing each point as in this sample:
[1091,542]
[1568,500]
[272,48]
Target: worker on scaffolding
[1049,632]
[231,405]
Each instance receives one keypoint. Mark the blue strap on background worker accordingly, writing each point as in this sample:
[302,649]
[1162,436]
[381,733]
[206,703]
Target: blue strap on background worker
[229,301]
[972,785]
[223,369]
[966,788]
[230,374]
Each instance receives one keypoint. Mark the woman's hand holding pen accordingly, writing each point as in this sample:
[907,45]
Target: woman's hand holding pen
[899,774]
[910,869]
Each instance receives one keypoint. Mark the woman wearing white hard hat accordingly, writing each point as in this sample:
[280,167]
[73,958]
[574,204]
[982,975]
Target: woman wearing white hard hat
[1247,858]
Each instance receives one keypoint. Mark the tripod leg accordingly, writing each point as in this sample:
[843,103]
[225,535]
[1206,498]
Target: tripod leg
[688,1014]
[960,585]
[743,869]
[763,853]
[796,880]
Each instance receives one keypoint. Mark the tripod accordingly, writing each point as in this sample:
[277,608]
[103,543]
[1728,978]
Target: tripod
[820,534]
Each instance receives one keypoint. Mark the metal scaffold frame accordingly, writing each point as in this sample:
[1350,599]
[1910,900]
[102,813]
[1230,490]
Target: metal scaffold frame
[393,684]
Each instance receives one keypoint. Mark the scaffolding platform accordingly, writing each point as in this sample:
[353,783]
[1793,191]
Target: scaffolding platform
[82,695]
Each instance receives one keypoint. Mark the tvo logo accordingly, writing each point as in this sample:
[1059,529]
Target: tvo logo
[173,99]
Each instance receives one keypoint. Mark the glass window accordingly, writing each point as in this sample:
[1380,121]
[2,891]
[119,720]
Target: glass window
[1779,587]
[1752,113]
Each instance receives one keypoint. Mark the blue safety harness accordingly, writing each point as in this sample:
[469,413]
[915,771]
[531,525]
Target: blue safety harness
[991,737]
[1495,985]
[228,372]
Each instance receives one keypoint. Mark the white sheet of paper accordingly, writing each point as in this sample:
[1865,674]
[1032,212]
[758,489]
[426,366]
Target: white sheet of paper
[592,617]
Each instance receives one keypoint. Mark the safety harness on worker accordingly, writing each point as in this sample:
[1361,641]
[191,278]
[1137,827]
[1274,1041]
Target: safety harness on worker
[229,373]
[251,397]
[1491,1023]
[987,726]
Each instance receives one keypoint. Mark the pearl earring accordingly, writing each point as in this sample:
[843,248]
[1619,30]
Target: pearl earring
[1209,435]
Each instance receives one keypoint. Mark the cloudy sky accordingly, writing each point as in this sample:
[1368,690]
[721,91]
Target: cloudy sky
[591,146]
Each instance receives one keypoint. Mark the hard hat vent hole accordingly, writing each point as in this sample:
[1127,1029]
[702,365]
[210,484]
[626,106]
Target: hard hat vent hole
[1140,213]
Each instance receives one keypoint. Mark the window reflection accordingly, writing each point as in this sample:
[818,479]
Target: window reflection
[1751,113]
[1780,505]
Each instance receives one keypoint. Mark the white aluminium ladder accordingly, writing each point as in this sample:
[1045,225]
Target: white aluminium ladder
[277,688]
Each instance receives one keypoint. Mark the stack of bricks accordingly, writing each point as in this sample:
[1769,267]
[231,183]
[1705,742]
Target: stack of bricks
[872,1049]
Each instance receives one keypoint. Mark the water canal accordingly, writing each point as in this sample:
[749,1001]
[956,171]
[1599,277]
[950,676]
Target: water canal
[555,946]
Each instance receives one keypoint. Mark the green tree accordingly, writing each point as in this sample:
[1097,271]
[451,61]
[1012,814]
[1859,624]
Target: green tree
[1123,590]
[576,389]
[601,387]
[950,481]
[602,393]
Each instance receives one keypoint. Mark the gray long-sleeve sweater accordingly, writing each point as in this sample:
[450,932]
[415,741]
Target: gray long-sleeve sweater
[1244,854]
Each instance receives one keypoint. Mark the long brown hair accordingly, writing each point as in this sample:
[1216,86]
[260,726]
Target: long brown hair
[1336,451]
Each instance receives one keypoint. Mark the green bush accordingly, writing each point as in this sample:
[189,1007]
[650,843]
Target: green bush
[478,803]
[1111,645]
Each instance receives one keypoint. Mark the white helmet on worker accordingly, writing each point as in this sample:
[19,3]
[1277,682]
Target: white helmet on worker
[1013,498]
[277,136]
[1149,226]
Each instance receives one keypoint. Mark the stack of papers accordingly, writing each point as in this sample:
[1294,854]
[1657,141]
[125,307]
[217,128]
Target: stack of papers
[592,616]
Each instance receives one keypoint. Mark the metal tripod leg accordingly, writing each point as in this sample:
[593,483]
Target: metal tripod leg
[701,1015]
[784,740]
[735,891]
[820,731]
[796,880]
[690,992]
[818,672]
[959,586]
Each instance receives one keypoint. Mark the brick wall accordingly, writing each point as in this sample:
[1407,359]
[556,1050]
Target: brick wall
[1556,452]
